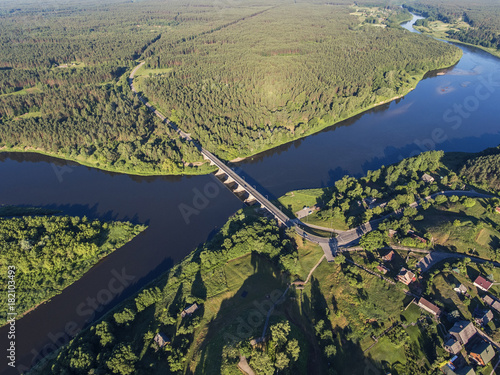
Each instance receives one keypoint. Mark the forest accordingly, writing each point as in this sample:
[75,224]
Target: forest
[241,78]
[483,17]
[51,252]
[95,125]
[240,91]
[483,169]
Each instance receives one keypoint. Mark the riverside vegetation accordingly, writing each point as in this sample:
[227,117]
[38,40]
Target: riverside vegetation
[52,252]
[476,23]
[240,78]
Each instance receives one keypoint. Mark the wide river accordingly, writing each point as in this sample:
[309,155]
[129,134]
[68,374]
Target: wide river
[455,110]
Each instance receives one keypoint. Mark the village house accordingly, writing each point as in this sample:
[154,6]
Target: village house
[452,346]
[482,353]
[482,283]
[161,340]
[382,269]
[497,210]
[427,178]
[389,256]
[462,331]
[406,276]
[190,310]
[494,304]
[461,289]
[467,370]
[429,307]
[457,366]
[483,317]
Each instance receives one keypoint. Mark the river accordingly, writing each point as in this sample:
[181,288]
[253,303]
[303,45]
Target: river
[455,110]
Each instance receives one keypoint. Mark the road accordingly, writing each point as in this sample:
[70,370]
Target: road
[276,212]
[351,237]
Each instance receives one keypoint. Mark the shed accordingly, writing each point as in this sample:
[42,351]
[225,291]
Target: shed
[190,310]
[429,307]
[161,339]
[427,178]
[452,346]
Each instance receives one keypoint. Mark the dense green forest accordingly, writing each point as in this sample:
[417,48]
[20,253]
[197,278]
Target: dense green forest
[483,17]
[95,125]
[483,169]
[244,76]
[51,252]
[285,73]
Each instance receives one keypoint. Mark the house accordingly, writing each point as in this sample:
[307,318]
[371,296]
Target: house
[429,307]
[406,276]
[497,210]
[448,370]
[452,346]
[482,353]
[382,269]
[389,256]
[190,310]
[427,178]
[416,237]
[462,331]
[482,283]
[483,317]
[461,289]
[370,201]
[494,304]
[161,340]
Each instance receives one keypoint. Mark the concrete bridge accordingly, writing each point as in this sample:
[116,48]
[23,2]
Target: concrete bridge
[225,174]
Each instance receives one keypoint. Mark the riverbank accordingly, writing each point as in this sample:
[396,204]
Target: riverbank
[438,30]
[54,252]
[193,170]
[205,168]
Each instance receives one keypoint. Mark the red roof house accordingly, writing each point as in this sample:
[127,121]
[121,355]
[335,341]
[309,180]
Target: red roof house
[482,283]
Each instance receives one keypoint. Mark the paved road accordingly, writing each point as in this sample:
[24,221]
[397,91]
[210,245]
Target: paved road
[276,212]
[329,245]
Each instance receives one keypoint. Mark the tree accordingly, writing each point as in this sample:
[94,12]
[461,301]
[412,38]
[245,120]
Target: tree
[293,349]
[122,360]
[279,333]
[282,361]
[372,240]
[469,202]
[440,199]
[261,363]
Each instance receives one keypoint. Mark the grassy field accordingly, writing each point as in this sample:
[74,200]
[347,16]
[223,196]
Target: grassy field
[144,72]
[461,229]
[31,90]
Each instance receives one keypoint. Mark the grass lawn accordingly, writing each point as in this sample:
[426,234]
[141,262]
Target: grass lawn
[475,229]
[386,351]
[298,199]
